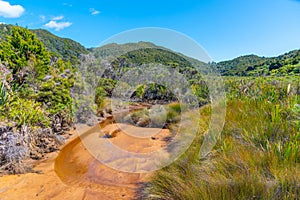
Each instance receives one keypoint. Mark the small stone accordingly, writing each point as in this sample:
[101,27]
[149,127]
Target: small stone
[47,77]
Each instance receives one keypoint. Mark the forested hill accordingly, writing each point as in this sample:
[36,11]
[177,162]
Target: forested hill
[248,65]
[114,49]
[65,48]
[252,65]
[62,47]
[144,52]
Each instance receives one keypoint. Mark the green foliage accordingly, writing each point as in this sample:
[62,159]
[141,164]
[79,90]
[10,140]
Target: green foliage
[108,85]
[150,55]
[200,89]
[28,112]
[64,48]
[100,97]
[3,95]
[287,64]
[115,50]
[158,116]
[239,65]
[22,49]
[263,88]
[173,112]
[140,91]
[55,93]
[257,157]
[38,89]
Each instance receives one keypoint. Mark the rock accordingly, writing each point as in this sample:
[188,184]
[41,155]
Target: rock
[108,110]
[101,113]
[60,140]
[113,133]
[143,122]
[100,119]
[66,128]
[106,115]
[63,75]
[48,77]
[53,60]
[36,155]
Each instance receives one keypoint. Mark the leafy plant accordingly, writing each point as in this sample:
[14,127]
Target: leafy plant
[25,111]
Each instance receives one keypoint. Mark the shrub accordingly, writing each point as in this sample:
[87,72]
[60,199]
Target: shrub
[24,111]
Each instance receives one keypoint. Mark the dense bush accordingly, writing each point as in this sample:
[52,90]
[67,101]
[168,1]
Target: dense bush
[29,82]
[35,99]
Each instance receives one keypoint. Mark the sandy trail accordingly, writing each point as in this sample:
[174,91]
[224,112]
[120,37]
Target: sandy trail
[74,173]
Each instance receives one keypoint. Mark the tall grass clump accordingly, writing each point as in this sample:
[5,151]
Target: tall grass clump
[257,156]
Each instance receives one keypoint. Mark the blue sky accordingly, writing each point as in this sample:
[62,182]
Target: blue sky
[225,28]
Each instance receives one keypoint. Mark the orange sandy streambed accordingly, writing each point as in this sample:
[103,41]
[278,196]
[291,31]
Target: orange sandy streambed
[73,173]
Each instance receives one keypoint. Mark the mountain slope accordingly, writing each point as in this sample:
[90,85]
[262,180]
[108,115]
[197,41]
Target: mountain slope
[62,47]
[249,65]
[252,65]
[116,50]
[123,57]
[67,49]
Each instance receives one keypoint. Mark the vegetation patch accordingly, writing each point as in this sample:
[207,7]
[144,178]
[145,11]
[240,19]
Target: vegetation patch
[257,157]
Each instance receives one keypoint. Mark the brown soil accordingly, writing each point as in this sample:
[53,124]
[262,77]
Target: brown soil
[74,173]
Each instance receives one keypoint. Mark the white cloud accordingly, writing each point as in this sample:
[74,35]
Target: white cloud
[94,11]
[55,24]
[58,25]
[2,22]
[10,11]
[58,18]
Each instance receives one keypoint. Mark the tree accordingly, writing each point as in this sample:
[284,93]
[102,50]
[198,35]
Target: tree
[22,52]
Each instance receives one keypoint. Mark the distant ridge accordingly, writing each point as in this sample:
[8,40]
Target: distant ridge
[252,65]
[248,65]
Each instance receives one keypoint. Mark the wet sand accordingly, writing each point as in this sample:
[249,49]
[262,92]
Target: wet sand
[73,173]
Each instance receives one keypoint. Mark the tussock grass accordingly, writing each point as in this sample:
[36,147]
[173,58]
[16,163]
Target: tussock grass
[158,116]
[258,156]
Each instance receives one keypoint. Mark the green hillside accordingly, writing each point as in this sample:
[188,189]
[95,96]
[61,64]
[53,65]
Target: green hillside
[252,65]
[114,49]
[61,47]
[139,54]
[64,48]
